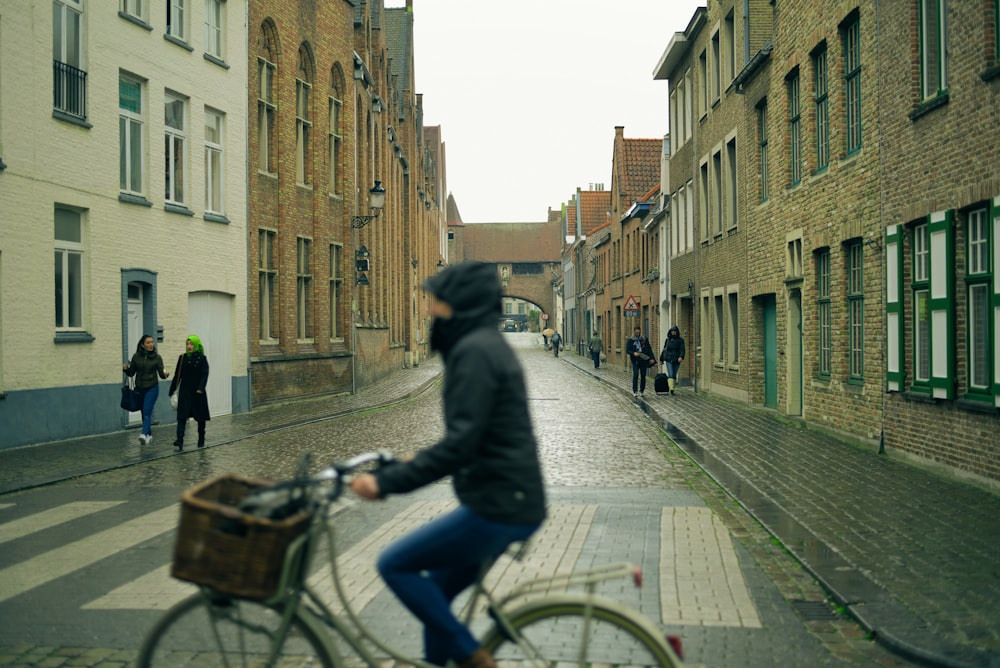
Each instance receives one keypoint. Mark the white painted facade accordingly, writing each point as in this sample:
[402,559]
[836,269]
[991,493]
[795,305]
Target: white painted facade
[182,264]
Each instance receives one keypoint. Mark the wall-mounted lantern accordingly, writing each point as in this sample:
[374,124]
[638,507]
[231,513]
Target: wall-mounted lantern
[376,202]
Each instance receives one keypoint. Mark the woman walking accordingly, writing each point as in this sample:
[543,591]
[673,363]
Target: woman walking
[190,378]
[672,355]
[147,367]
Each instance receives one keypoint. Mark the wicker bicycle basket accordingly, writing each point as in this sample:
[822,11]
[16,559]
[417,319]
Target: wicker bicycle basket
[228,550]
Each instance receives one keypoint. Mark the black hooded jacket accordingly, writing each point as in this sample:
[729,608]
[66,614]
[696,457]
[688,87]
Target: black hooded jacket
[489,446]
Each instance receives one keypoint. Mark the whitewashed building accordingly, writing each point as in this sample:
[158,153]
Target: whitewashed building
[122,205]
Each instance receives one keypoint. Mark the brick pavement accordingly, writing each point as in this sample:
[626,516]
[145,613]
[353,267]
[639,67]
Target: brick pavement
[912,554]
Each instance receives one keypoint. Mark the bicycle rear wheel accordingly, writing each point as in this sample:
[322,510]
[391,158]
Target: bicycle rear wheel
[206,631]
[572,631]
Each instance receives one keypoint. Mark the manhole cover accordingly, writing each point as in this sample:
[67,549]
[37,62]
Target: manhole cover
[814,611]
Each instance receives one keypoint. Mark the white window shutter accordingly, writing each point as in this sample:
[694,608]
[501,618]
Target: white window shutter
[942,304]
[894,308]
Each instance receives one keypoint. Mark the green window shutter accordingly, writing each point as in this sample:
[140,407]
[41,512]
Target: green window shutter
[995,238]
[894,308]
[941,233]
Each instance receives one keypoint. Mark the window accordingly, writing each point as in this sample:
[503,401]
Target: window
[733,331]
[213,28]
[689,205]
[794,130]
[135,8]
[214,169]
[716,69]
[688,104]
[717,340]
[177,19]
[717,193]
[130,135]
[69,80]
[852,82]
[68,269]
[266,110]
[174,148]
[267,273]
[762,147]
[979,288]
[921,305]
[335,142]
[855,309]
[303,289]
[706,230]
[729,33]
[732,178]
[822,102]
[336,291]
[703,82]
[933,49]
[303,119]
[824,307]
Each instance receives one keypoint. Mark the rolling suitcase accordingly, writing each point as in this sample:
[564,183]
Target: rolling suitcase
[660,383]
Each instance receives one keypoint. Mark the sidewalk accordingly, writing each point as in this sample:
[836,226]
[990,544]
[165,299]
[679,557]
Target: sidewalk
[914,556]
[34,465]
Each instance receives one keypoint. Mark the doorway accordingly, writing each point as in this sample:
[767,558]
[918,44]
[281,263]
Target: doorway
[210,317]
[795,352]
[136,328]
[770,351]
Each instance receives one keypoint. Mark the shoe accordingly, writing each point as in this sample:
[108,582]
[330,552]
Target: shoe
[179,444]
[201,443]
[149,439]
[142,439]
[478,659]
[642,395]
[635,394]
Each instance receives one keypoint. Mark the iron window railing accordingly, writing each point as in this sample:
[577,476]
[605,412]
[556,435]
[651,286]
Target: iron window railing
[69,89]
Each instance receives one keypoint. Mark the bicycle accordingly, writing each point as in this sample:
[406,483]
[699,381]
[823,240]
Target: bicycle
[292,626]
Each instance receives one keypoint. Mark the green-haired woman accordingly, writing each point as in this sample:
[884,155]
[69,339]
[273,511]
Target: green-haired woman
[190,379]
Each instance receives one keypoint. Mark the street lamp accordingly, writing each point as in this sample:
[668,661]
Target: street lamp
[376,202]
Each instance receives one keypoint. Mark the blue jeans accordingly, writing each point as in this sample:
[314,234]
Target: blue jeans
[597,359]
[672,368]
[430,566]
[149,397]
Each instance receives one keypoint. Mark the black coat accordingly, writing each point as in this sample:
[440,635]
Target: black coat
[673,349]
[192,375]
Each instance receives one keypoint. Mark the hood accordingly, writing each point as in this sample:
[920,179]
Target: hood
[196,342]
[471,289]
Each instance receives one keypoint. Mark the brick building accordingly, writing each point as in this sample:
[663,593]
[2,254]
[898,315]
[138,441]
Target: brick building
[800,181]
[334,282]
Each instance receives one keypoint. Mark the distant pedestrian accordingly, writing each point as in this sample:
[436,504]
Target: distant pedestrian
[556,339]
[147,367]
[190,378]
[640,353]
[596,347]
[672,355]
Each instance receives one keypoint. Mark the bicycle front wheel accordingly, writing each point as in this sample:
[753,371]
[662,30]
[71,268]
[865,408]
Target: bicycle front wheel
[575,631]
[203,630]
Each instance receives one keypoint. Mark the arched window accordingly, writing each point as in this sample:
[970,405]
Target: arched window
[303,116]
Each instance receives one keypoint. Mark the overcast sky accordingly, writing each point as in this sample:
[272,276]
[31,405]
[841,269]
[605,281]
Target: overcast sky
[528,93]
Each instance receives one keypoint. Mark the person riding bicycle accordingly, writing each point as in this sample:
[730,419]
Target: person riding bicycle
[489,449]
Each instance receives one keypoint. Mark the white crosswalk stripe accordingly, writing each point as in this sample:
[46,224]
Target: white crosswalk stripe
[51,518]
[25,576]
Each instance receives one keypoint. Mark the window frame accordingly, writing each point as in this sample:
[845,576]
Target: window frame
[69,85]
[855,292]
[176,20]
[979,277]
[303,121]
[267,110]
[267,275]
[66,289]
[821,100]
[824,315]
[920,291]
[852,84]
[335,142]
[933,80]
[215,162]
[175,141]
[132,125]
[215,22]
[733,328]
[303,289]
[792,85]
[336,291]
[762,143]
[137,9]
